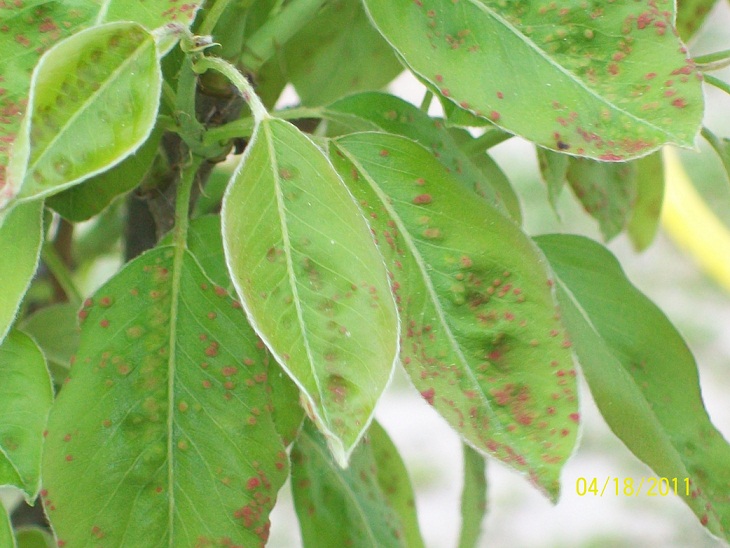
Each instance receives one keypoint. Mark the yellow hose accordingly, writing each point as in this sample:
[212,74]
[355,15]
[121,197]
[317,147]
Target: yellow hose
[692,225]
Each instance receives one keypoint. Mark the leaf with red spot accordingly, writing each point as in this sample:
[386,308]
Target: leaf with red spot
[607,191]
[311,280]
[27,30]
[480,337]
[380,111]
[93,102]
[26,395]
[21,236]
[368,504]
[642,375]
[163,434]
[609,81]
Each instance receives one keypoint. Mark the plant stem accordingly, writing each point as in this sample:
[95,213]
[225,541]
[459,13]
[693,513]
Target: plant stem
[473,498]
[426,102]
[237,79]
[713,61]
[61,272]
[492,137]
[277,31]
[719,84]
[182,204]
[212,17]
[245,126]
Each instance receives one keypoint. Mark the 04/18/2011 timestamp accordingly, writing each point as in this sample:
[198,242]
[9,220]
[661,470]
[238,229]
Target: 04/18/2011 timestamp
[630,487]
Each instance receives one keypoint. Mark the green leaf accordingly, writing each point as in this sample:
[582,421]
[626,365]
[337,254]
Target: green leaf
[606,190]
[163,434]
[21,236]
[311,280]
[393,479]
[338,53]
[473,498]
[38,25]
[34,537]
[481,341]
[25,398]
[206,244]
[6,531]
[642,375]
[347,507]
[690,16]
[55,330]
[381,111]
[553,169]
[84,201]
[608,81]
[93,102]
[647,208]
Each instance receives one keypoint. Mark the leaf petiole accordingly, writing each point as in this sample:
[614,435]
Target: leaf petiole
[713,61]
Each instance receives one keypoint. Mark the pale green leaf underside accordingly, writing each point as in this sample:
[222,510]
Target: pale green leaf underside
[642,375]
[339,507]
[21,236]
[25,398]
[480,338]
[33,28]
[163,434]
[93,101]
[605,80]
[311,279]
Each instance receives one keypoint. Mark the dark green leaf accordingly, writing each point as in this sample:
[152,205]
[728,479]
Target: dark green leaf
[163,435]
[337,53]
[25,398]
[93,102]
[606,80]
[380,111]
[473,498]
[311,279]
[21,235]
[554,169]
[690,16]
[347,507]
[55,330]
[647,209]
[606,190]
[642,375]
[86,200]
[481,341]
[393,479]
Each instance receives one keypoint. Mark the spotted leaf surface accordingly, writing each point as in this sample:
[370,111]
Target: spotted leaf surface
[21,236]
[607,191]
[642,375]
[163,434]
[311,279]
[313,59]
[93,101]
[348,507]
[380,111]
[25,398]
[691,14]
[480,337]
[28,29]
[605,80]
